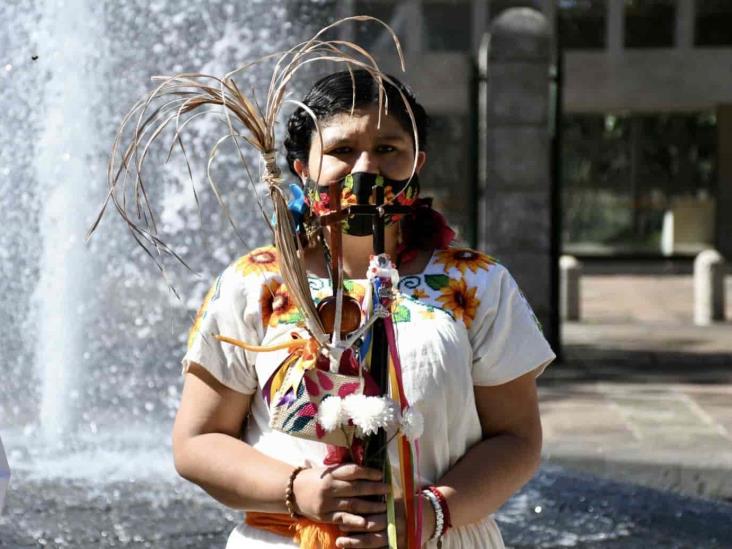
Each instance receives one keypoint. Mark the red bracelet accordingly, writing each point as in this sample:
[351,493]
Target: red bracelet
[445,509]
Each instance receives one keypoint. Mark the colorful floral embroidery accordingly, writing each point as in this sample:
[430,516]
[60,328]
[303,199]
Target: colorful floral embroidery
[348,198]
[258,261]
[419,293]
[320,291]
[266,299]
[276,305]
[355,290]
[427,314]
[460,299]
[401,314]
[463,258]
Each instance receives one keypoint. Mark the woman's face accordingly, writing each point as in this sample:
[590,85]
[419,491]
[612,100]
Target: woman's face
[354,143]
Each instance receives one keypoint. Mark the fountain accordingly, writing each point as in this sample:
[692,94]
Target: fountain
[91,334]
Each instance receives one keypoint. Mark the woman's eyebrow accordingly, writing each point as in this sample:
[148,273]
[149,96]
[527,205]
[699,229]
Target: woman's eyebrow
[394,136]
[335,140]
[344,139]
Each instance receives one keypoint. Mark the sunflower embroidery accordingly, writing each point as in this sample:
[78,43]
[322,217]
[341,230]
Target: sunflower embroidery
[266,299]
[277,306]
[258,261]
[463,258]
[458,298]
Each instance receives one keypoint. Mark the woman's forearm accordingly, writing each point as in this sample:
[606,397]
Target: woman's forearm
[233,472]
[487,475]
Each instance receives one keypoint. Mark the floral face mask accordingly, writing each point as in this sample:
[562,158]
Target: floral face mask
[357,188]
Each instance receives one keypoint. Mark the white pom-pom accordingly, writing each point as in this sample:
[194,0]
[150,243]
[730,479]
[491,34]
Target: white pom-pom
[412,424]
[369,414]
[331,414]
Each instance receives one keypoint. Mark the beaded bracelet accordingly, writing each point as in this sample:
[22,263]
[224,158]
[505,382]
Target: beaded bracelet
[442,513]
[447,523]
[439,515]
[290,492]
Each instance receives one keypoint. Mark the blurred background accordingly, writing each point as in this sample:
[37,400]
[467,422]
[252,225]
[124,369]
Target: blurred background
[585,143]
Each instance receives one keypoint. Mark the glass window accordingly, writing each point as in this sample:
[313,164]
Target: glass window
[447,26]
[713,23]
[621,173]
[650,23]
[582,24]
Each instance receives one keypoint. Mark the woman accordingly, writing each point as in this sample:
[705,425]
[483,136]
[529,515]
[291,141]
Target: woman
[469,344]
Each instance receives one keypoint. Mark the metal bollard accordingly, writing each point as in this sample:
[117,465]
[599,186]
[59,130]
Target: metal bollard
[708,288]
[570,272]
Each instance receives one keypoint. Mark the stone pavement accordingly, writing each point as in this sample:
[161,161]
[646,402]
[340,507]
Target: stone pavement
[641,394]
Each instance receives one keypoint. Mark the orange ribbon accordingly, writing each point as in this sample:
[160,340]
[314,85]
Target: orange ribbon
[309,534]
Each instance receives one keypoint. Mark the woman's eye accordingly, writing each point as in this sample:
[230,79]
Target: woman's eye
[386,148]
[340,151]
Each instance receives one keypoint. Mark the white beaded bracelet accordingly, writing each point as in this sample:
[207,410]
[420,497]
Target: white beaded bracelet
[439,515]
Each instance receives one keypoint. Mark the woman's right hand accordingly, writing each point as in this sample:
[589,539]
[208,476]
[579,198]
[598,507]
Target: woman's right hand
[338,495]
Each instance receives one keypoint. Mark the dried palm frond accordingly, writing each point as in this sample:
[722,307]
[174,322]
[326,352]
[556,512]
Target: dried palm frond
[246,122]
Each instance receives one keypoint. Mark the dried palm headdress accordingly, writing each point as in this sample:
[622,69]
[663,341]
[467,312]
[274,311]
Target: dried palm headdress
[181,98]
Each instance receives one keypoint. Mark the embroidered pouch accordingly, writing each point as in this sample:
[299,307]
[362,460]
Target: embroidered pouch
[295,392]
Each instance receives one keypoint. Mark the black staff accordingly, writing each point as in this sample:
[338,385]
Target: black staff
[376,444]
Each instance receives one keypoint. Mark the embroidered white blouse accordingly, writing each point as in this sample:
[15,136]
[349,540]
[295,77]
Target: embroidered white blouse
[461,322]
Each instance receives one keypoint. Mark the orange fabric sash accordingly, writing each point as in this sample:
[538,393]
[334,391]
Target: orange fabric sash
[309,534]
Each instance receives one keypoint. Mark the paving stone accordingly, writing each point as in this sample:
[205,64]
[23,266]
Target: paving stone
[643,394]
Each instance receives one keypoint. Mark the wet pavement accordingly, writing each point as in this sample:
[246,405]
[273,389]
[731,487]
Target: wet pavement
[642,394]
[557,508]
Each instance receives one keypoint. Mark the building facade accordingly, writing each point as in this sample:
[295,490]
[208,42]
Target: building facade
[647,89]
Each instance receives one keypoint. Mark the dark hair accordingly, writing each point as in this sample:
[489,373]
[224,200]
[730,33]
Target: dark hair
[423,228]
[334,94]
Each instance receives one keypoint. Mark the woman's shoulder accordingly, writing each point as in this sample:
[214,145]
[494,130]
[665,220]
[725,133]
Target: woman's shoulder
[465,263]
[258,263]
[249,273]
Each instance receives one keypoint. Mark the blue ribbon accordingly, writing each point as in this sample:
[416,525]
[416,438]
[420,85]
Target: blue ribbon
[297,206]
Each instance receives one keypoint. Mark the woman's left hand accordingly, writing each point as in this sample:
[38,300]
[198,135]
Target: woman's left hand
[374,534]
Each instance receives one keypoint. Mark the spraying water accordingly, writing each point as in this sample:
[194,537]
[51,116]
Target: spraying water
[91,378]
[68,141]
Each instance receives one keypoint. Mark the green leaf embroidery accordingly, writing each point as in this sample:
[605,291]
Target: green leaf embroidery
[437,282]
[295,411]
[401,314]
[292,318]
[300,423]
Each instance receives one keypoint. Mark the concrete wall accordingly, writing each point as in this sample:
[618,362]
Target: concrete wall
[647,80]
[515,217]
